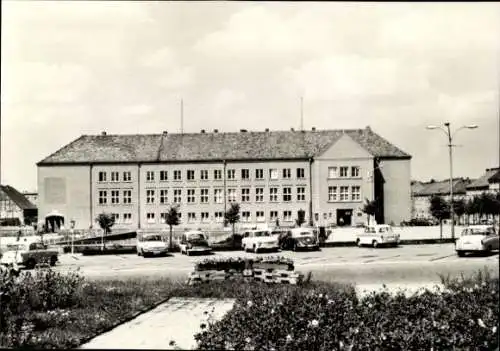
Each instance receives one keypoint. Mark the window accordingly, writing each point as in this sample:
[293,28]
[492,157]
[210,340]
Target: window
[150,176]
[217,174]
[245,195]
[218,196]
[163,176]
[332,193]
[219,217]
[190,196]
[300,173]
[245,216]
[287,173]
[356,193]
[150,196]
[259,194]
[204,174]
[260,216]
[102,176]
[163,217]
[127,218]
[127,177]
[190,174]
[177,175]
[115,176]
[245,174]
[355,171]
[273,174]
[204,195]
[273,215]
[191,217]
[116,216]
[231,174]
[204,217]
[115,196]
[344,193]
[344,171]
[273,194]
[103,197]
[150,217]
[287,194]
[332,172]
[231,195]
[301,193]
[177,196]
[287,216]
[259,174]
[163,196]
[127,196]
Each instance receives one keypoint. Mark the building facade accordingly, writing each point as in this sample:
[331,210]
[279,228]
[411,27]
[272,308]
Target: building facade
[271,175]
[15,208]
[489,182]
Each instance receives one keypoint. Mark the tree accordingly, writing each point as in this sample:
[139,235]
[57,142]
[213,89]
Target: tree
[301,217]
[105,221]
[370,208]
[232,215]
[439,209]
[172,219]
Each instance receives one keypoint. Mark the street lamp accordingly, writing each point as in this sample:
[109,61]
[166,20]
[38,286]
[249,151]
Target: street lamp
[446,130]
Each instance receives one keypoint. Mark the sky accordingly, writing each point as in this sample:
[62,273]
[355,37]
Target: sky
[73,67]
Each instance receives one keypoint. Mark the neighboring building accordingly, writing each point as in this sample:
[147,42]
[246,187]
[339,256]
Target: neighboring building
[15,208]
[31,196]
[489,182]
[423,192]
[271,174]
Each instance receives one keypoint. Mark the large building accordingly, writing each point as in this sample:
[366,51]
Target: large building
[489,182]
[271,174]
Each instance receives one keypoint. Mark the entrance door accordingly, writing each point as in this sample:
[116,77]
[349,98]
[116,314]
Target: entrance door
[344,217]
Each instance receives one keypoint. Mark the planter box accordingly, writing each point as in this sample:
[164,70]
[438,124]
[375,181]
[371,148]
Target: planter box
[273,266]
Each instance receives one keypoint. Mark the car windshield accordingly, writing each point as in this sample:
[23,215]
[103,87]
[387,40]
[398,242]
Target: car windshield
[384,230]
[263,233]
[152,238]
[306,233]
[18,247]
[478,231]
[196,236]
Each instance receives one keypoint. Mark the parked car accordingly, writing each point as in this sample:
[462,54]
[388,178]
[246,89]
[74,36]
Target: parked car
[151,245]
[194,241]
[477,238]
[29,254]
[259,240]
[300,238]
[378,235]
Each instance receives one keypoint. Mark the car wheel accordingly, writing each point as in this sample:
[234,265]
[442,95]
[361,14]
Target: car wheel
[53,261]
[143,254]
[31,264]
[138,253]
[375,243]
[460,253]
[358,242]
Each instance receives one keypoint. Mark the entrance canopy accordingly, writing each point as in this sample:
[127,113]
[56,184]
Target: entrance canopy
[54,221]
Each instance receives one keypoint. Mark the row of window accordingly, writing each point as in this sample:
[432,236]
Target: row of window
[342,193]
[344,172]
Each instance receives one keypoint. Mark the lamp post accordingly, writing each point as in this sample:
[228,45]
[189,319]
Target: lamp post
[447,131]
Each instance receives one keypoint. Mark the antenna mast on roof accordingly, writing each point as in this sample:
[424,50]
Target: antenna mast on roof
[301,113]
[182,116]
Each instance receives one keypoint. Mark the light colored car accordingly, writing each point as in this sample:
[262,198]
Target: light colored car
[151,245]
[29,254]
[259,240]
[300,238]
[477,238]
[378,235]
[194,241]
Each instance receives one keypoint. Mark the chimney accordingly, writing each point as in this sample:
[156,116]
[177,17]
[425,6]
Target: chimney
[292,130]
[267,129]
[203,131]
[216,131]
[103,132]
[243,130]
[313,129]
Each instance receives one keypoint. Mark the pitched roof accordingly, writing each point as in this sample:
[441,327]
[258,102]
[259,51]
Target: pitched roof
[19,199]
[495,178]
[442,187]
[215,146]
[483,182]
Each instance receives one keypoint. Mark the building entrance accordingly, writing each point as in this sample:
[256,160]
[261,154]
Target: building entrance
[344,217]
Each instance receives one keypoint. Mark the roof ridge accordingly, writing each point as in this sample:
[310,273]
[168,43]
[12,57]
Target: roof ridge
[62,148]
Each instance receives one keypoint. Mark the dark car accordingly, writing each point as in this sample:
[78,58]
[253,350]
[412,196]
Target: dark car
[194,241]
[300,239]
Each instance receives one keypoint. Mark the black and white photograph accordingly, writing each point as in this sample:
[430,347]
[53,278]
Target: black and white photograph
[250,175]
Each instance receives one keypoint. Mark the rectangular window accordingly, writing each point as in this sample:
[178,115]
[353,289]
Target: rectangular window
[287,194]
[127,196]
[259,174]
[191,217]
[245,195]
[177,196]
[150,176]
[218,196]
[190,196]
[103,197]
[127,177]
[355,171]
[344,172]
[332,193]
[150,196]
[150,217]
[273,174]
[259,194]
[344,193]
[231,195]
[115,176]
[245,216]
[287,173]
[300,173]
[116,216]
[163,176]
[204,174]
[259,215]
[163,217]
[245,174]
[217,174]
[231,174]
[177,175]
[102,176]
[273,194]
[332,172]
[204,195]
[273,215]
[190,174]
[301,193]
[287,216]
[205,217]
[163,196]
[115,196]
[127,218]
[219,217]
[356,193]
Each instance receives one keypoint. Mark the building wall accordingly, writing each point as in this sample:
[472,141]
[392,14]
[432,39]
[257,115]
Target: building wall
[9,209]
[397,190]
